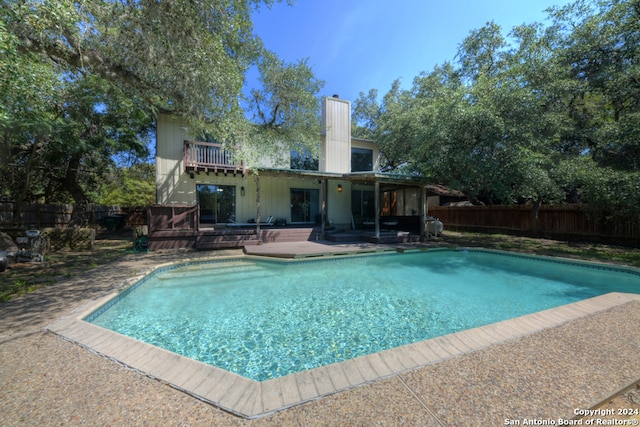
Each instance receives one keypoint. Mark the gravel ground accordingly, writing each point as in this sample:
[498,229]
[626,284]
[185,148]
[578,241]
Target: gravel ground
[48,381]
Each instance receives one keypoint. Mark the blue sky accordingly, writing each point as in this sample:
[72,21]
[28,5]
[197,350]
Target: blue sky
[357,45]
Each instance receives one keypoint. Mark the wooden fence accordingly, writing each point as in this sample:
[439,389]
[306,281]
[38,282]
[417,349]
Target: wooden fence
[172,217]
[61,216]
[570,222]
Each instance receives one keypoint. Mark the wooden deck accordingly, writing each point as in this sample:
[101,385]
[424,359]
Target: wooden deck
[178,227]
[219,238]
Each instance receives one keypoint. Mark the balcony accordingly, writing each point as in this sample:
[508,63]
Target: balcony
[209,157]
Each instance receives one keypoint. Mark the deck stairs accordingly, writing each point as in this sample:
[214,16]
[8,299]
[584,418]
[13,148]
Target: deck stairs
[217,239]
[368,236]
[220,238]
[238,238]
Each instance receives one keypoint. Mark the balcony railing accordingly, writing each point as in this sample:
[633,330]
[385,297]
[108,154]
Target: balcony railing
[209,157]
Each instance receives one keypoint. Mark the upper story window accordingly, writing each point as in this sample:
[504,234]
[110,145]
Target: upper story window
[207,137]
[361,159]
[303,161]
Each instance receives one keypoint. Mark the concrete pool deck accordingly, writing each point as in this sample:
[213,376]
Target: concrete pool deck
[543,366]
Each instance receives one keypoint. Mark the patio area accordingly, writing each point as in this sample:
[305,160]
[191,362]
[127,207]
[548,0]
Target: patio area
[545,374]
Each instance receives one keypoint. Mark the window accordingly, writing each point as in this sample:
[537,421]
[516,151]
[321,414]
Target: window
[303,161]
[363,206]
[361,159]
[305,205]
[217,203]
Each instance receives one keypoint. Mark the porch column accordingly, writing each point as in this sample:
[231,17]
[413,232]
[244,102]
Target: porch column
[257,178]
[377,208]
[323,206]
[424,210]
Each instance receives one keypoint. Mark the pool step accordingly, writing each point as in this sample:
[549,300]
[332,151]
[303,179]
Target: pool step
[213,270]
[205,280]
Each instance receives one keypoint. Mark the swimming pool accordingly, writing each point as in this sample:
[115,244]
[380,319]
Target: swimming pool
[266,319]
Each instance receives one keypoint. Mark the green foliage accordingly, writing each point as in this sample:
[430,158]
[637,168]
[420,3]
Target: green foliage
[133,186]
[608,191]
[601,42]
[531,117]
[366,113]
[81,83]
[177,56]
[285,109]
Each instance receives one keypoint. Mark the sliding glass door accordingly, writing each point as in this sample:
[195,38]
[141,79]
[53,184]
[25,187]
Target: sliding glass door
[217,203]
[305,205]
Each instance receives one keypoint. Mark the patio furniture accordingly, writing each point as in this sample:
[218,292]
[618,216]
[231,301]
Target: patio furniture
[3,261]
[141,244]
[267,222]
[31,247]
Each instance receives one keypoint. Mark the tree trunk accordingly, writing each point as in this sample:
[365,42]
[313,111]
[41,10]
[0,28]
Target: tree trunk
[20,196]
[72,185]
[71,181]
[535,221]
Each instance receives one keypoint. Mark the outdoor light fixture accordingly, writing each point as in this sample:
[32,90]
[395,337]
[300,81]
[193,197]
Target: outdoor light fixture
[242,191]
[339,188]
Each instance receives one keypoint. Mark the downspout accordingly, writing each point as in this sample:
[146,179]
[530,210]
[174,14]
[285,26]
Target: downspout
[424,214]
[377,208]
[323,216]
[257,178]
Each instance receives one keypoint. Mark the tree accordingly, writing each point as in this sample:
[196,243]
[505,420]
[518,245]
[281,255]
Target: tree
[285,109]
[129,186]
[601,42]
[480,54]
[529,118]
[178,56]
[60,135]
[83,81]
[365,115]
[28,89]
[385,124]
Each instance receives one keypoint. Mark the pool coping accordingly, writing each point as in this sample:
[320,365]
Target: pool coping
[252,399]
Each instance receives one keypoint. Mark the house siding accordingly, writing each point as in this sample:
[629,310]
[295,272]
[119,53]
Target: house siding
[174,185]
[335,150]
[339,204]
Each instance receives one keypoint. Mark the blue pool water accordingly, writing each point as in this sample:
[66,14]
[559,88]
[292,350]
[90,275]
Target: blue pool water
[265,319]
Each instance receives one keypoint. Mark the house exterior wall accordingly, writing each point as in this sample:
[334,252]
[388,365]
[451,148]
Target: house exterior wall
[275,195]
[279,158]
[335,149]
[433,201]
[174,185]
[339,203]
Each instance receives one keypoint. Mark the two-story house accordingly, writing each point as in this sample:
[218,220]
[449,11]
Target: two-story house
[206,198]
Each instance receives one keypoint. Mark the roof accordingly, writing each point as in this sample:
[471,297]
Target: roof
[368,177]
[441,190]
